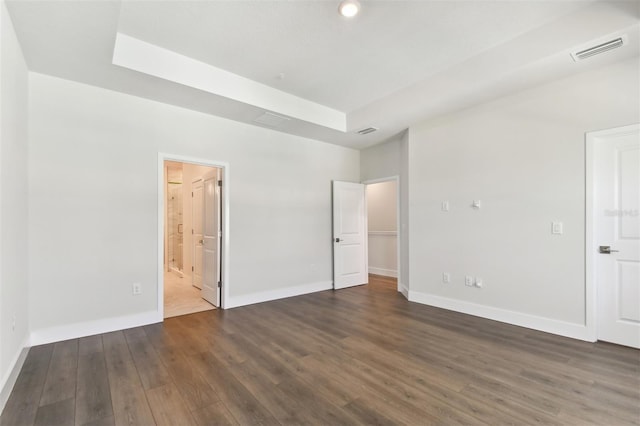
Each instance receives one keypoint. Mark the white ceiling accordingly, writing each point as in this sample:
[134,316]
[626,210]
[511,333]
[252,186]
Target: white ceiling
[395,63]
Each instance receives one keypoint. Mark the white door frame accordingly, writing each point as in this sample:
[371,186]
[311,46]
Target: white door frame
[225,253]
[591,294]
[395,178]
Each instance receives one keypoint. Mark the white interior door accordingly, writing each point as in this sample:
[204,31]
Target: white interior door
[349,235]
[211,239]
[617,234]
[197,195]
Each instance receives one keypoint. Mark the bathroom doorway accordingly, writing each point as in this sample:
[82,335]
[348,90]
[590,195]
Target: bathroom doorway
[192,238]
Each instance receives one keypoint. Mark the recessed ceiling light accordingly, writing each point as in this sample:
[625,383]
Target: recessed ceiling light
[349,8]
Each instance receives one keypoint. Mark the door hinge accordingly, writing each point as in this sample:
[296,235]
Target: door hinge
[219,284]
[192,232]
[219,183]
[192,194]
[192,269]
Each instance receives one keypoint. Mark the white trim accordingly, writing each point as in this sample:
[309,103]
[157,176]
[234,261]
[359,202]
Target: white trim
[147,58]
[9,379]
[177,271]
[591,291]
[404,290]
[383,233]
[226,223]
[380,180]
[384,272]
[90,328]
[395,178]
[281,293]
[562,328]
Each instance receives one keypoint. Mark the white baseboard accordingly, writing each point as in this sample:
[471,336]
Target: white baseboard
[562,328]
[90,328]
[10,377]
[265,296]
[404,290]
[384,272]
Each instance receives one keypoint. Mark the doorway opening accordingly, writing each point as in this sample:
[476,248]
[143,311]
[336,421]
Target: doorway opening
[192,218]
[382,198]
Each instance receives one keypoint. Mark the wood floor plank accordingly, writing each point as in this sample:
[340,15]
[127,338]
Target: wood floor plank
[168,407]
[93,397]
[266,393]
[22,405]
[312,407]
[61,377]
[196,391]
[362,355]
[365,414]
[238,400]
[130,404]
[151,370]
[105,421]
[511,408]
[59,413]
[214,415]
[89,345]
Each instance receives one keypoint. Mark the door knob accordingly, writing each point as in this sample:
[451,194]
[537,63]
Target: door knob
[201,242]
[607,250]
[337,240]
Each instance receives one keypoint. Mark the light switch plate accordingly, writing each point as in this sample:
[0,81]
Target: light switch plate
[556,228]
[445,206]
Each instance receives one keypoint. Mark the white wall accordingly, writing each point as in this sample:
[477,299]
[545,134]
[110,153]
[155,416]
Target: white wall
[380,161]
[523,156]
[93,151]
[13,204]
[382,220]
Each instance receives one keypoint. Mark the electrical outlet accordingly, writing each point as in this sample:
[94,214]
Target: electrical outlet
[446,277]
[136,289]
[468,280]
[444,206]
[13,323]
[478,282]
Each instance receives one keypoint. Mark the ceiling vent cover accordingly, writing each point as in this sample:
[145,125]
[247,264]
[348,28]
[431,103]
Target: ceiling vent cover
[600,48]
[271,119]
[367,131]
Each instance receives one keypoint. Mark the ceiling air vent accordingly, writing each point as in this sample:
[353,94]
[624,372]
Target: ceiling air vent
[367,131]
[271,119]
[596,50]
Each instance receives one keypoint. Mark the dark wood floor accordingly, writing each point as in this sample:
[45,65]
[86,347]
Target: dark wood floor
[356,356]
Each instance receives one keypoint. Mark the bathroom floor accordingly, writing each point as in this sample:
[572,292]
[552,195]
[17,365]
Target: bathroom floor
[181,298]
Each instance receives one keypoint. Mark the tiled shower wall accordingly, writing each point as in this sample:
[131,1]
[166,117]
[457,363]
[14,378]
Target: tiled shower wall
[175,218]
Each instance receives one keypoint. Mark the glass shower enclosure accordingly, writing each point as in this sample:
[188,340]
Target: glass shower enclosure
[174,219]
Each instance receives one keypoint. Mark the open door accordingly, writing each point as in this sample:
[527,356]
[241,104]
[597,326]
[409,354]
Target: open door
[616,233]
[349,235]
[197,197]
[211,238]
